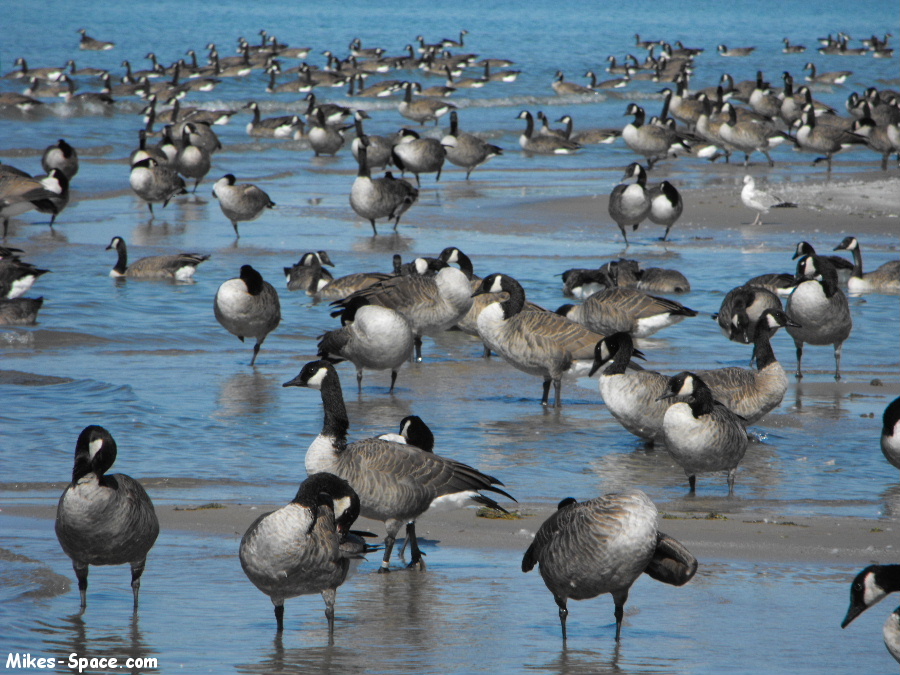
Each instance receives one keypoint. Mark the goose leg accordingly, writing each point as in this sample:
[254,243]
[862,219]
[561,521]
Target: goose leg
[255,351]
[279,616]
[731,475]
[393,526]
[236,233]
[415,555]
[799,346]
[418,343]
[137,569]
[837,360]
[81,573]
[619,611]
[624,235]
[692,482]
[393,381]
[329,595]
[768,157]
[359,381]
[374,231]
[557,391]
[545,400]
[563,614]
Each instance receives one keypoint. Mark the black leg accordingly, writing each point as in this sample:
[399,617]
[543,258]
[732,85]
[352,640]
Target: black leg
[563,614]
[415,559]
[81,573]
[545,400]
[692,482]
[279,617]
[137,569]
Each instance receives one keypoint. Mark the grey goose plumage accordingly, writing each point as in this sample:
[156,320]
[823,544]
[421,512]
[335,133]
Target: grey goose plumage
[104,519]
[20,311]
[820,309]
[701,434]
[385,197]
[885,279]
[248,306]
[629,202]
[240,202]
[309,274]
[466,150]
[178,266]
[154,182]
[395,482]
[306,546]
[742,308]
[418,155]
[536,144]
[890,433]
[586,549]
[422,110]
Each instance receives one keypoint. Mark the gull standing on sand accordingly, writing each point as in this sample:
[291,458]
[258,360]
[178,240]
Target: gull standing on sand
[760,200]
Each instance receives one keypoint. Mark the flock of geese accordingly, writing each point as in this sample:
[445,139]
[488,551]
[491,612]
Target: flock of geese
[584,549]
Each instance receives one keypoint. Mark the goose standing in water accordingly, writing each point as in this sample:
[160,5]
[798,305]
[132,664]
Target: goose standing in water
[632,395]
[666,206]
[104,519]
[819,308]
[373,337]
[753,393]
[240,201]
[179,266]
[870,587]
[248,306]
[629,203]
[886,279]
[538,343]
[153,182]
[742,308]
[466,150]
[537,144]
[192,161]
[299,277]
[304,547]
[396,482]
[60,156]
[586,549]
[422,110]
[385,197]
[418,155]
[700,433]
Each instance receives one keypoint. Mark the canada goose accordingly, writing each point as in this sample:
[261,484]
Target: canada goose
[537,144]
[24,72]
[20,193]
[562,87]
[57,185]
[60,156]
[192,161]
[834,77]
[869,587]
[890,433]
[760,200]
[581,283]
[631,394]
[179,266]
[820,308]
[342,287]
[602,546]
[590,136]
[842,266]
[822,138]
[538,343]
[779,283]
[629,203]
[333,115]
[283,126]
[385,197]
[418,155]
[20,311]
[240,202]
[792,49]
[741,310]
[613,83]
[650,140]
[466,150]
[96,99]
[681,107]
[422,110]
[626,310]
[373,337]
[431,304]
[323,138]
[17,277]
[878,138]
[396,482]
[752,394]
[299,277]
[762,100]
[92,44]
[700,433]
[378,148]
[306,546]
[11,99]
[886,279]
[749,137]
[104,520]
[708,127]
[666,206]
[628,274]
[247,306]
[735,51]
[40,88]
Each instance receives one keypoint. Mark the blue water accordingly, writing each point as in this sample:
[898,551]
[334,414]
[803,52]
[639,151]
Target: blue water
[197,425]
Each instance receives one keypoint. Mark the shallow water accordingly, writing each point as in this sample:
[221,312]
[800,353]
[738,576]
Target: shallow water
[197,425]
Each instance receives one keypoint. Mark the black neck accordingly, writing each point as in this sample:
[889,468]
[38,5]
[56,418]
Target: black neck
[122,262]
[762,345]
[336,421]
[624,351]
[701,401]
[516,300]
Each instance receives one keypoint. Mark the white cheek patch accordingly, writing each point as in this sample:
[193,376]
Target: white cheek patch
[316,380]
[873,592]
[94,447]
[340,506]
[496,287]
[687,388]
[405,429]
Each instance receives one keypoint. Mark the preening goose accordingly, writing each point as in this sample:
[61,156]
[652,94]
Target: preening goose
[304,547]
[299,277]
[603,545]
[538,343]
[741,310]
[179,266]
[104,519]
[819,308]
[248,306]
[701,434]
[396,482]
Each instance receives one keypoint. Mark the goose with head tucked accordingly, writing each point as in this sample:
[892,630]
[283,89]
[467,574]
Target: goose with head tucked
[586,549]
[248,306]
[819,308]
[305,547]
[240,202]
[538,343]
[701,434]
[418,155]
[178,266]
[890,433]
[396,482]
[741,310]
[886,279]
[104,519]
[299,277]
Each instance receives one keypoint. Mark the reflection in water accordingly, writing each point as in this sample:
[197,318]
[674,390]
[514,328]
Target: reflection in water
[75,636]
[245,394]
